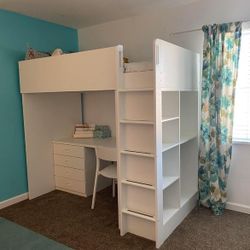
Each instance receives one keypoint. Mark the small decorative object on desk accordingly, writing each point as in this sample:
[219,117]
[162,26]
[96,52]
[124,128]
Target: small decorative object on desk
[84,130]
[102,131]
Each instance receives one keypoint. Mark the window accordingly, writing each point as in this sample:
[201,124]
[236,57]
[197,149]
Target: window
[241,130]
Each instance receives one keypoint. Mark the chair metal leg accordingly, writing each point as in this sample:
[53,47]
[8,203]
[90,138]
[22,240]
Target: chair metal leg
[94,192]
[113,188]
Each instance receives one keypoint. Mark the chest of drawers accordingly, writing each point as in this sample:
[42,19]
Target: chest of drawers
[74,168]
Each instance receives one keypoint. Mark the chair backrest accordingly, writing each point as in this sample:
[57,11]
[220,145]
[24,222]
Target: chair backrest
[106,154]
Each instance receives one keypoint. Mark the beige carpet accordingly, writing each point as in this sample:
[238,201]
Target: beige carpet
[68,219]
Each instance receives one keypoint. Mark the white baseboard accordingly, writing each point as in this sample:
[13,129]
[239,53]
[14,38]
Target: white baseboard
[14,200]
[238,207]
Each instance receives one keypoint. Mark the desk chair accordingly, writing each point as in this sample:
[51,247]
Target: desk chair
[110,171]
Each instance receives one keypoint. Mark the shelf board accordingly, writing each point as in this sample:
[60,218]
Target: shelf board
[169,180]
[138,184]
[167,146]
[186,138]
[186,198]
[139,214]
[143,122]
[170,119]
[136,90]
[178,90]
[144,154]
[168,213]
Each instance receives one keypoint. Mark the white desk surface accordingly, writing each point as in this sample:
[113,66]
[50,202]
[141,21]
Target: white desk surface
[89,142]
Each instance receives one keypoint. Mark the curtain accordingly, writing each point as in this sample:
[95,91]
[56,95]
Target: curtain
[219,75]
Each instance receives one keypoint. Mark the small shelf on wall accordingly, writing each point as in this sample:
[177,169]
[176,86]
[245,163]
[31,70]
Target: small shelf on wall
[169,180]
[141,122]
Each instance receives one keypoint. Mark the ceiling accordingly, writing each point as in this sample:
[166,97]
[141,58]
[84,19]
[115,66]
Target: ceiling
[83,13]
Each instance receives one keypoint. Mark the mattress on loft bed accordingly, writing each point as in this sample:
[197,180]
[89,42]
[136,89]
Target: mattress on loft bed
[138,67]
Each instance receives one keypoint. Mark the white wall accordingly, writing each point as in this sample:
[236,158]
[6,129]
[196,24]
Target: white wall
[137,35]
[99,108]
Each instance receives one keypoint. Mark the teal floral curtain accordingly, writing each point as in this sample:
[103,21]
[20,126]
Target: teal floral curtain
[220,67]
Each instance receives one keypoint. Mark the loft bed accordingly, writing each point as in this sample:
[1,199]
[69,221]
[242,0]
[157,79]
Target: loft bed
[156,128]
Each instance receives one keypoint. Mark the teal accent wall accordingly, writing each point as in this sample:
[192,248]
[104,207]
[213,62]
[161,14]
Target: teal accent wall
[16,31]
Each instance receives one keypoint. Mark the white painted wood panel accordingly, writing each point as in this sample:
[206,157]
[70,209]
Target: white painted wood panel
[141,227]
[69,184]
[139,199]
[176,67]
[137,138]
[71,173]
[70,150]
[138,80]
[137,106]
[46,117]
[138,169]
[69,161]
[81,71]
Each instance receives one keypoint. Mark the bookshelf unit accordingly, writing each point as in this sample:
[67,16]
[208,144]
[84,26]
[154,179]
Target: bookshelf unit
[157,143]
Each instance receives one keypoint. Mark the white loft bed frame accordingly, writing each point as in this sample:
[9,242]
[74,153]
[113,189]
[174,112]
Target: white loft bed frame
[156,127]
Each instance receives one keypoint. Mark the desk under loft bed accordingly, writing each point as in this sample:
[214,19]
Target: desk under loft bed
[156,116]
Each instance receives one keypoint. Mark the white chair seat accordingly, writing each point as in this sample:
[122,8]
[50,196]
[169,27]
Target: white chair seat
[109,171]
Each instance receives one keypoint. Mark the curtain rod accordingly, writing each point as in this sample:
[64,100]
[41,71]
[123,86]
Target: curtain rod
[193,30]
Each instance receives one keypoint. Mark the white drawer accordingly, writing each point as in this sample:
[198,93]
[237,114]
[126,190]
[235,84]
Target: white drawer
[69,184]
[69,161]
[66,149]
[70,173]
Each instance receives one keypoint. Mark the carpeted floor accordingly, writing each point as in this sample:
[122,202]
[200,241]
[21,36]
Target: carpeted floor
[69,220]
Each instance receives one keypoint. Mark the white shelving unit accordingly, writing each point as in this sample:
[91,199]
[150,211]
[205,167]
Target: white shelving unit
[157,143]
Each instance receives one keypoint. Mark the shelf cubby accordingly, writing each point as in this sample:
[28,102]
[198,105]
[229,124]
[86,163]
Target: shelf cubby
[170,133]
[138,169]
[138,138]
[171,200]
[188,164]
[188,115]
[170,105]
[170,166]
[170,162]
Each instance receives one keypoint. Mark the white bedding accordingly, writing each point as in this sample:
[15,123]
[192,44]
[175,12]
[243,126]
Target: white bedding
[138,66]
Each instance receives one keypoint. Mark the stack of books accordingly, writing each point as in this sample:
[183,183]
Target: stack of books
[84,131]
